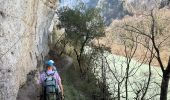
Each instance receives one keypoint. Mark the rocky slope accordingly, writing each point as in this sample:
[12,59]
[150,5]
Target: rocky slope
[117,9]
[114,35]
[23,41]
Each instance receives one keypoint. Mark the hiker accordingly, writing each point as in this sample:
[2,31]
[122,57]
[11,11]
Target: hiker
[54,67]
[51,82]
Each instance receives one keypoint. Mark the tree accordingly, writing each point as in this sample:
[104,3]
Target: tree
[119,72]
[154,33]
[81,26]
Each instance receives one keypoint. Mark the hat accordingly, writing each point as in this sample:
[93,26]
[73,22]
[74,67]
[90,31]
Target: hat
[50,63]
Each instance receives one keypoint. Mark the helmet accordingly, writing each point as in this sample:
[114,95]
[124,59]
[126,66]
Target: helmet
[50,63]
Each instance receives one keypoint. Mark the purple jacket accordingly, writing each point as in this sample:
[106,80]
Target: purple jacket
[56,76]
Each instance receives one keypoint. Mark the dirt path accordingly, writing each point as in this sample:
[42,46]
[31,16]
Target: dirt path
[31,90]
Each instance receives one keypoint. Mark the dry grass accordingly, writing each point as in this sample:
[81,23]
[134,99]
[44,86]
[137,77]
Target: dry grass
[143,22]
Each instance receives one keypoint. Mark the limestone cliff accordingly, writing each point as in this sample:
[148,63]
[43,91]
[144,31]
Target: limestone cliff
[23,41]
[117,9]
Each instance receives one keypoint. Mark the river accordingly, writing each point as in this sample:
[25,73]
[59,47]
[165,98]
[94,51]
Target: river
[116,68]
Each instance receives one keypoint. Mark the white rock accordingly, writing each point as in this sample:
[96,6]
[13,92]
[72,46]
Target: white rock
[23,41]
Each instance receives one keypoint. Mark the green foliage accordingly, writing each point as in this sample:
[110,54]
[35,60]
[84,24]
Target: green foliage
[77,89]
[81,24]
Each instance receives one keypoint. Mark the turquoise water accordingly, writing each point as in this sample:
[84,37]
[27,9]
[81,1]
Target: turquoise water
[138,76]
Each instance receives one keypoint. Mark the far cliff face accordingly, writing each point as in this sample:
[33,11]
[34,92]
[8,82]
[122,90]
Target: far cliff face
[116,9]
[24,32]
[111,9]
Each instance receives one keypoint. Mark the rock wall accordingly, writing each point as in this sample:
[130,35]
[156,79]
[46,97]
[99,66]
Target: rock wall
[23,41]
[111,9]
[135,6]
[117,9]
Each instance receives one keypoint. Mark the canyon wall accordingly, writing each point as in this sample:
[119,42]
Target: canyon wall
[24,36]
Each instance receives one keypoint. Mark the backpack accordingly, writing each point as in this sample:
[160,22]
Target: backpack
[50,84]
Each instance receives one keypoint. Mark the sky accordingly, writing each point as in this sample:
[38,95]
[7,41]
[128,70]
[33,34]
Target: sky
[71,3]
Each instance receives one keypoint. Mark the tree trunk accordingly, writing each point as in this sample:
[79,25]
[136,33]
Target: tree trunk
[164,87]
[79,61]
[126,80]
[165,82]
[118,90]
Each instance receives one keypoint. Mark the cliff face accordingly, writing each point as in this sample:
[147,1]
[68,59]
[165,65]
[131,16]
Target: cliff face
[111,9]
[117,9]
[23,41]
[133,6]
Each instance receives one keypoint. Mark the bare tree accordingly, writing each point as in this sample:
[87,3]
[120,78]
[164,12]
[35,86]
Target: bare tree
[121,82]
[152,38]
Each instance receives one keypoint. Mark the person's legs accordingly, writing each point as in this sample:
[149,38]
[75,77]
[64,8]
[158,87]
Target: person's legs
[44,94]
[57,95]
[60,96]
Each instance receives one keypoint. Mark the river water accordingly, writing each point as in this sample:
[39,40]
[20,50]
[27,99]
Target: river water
[138,77]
